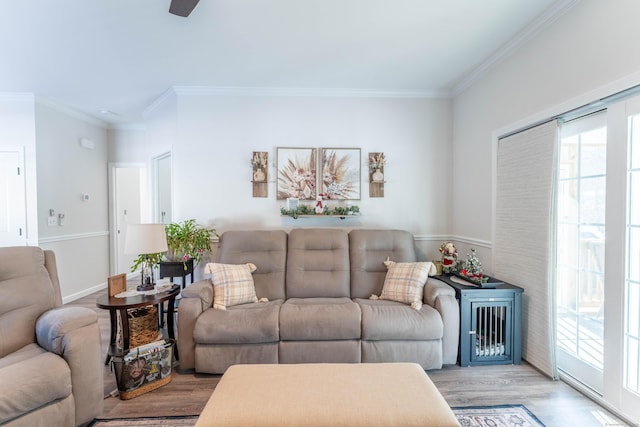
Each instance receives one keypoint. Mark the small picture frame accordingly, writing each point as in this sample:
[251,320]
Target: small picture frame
[117,284]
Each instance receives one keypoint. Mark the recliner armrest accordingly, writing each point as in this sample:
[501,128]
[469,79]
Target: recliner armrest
[435,288]
[73,333]
[196,298]
[202,289]
[55,324]
[442,297]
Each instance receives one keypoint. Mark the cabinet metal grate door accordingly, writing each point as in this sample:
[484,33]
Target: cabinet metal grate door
[490,332]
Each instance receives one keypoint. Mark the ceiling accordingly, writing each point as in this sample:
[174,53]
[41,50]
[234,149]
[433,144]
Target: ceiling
[119,56]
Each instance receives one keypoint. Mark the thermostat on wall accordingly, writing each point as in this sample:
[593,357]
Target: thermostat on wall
[85,197]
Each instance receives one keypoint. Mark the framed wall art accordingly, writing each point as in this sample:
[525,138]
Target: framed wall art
[260,167]
[377,161]
[341,173]
[296,169]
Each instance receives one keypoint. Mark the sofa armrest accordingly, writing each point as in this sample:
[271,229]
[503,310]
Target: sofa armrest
[73,333]
[442,297]
[196,298]
[202,289]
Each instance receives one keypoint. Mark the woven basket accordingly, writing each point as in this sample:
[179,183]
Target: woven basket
[143,327]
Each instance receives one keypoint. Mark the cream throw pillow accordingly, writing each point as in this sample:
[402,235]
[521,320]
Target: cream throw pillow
[232,284]
[405,282]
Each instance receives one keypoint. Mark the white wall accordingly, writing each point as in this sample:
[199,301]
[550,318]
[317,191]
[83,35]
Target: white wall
[127,145]
[65,171]
[17,129]
[588,53]
[217,135]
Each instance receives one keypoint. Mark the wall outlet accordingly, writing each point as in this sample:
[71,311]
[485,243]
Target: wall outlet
[52,221]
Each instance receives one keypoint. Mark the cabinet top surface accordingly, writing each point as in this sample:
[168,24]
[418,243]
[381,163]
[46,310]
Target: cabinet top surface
[463,288]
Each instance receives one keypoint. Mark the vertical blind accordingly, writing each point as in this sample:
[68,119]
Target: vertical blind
[524,239]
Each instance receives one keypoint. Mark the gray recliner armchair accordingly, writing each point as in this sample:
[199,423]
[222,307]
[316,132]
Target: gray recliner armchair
[51,371]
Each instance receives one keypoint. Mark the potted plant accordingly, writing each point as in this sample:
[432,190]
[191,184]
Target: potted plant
[187,240]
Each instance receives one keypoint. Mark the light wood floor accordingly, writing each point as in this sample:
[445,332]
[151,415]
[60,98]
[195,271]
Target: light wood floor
[553,402]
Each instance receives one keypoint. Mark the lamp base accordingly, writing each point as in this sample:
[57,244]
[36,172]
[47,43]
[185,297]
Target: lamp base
[145,287]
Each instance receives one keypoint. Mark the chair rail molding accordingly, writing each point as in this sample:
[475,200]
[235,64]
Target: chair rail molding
[67,237]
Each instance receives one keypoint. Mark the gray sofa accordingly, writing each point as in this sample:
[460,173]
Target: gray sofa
[50,356]
[318,283]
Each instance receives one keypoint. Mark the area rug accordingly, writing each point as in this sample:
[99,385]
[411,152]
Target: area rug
[470,416]
[146,422]
[496,416]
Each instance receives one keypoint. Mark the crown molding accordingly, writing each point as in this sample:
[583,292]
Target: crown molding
[165,96]
[306,92]
[127,126]
[543,21]
[17,96]
[71,112]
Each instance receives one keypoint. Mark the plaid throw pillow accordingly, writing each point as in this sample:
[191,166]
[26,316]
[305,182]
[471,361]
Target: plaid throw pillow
[232,284]
[405,282]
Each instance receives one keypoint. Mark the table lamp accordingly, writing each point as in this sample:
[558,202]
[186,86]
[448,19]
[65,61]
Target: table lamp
[146,239]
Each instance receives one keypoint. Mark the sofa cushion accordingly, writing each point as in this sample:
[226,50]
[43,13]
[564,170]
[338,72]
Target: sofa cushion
[319,319]
[318,263]
[267,249]
[232,284]
[390,320]
[405,282]
[367,251]
[31,378]
[26,291]
[240,324]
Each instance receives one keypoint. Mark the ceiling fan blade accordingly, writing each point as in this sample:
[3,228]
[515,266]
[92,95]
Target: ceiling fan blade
[182,7]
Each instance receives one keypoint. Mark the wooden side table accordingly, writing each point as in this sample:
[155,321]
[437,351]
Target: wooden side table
[490,323]
[173,269]
[121,305]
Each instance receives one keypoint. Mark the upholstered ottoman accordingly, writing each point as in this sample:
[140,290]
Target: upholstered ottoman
[368,394]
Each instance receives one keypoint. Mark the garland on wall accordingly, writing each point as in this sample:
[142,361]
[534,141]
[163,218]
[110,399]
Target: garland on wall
[307,210]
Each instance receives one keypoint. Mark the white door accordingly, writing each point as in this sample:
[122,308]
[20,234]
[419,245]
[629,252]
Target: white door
[162,166]
[12,199]
[129,201]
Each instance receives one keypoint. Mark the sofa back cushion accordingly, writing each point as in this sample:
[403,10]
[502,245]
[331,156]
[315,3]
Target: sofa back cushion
[266,249]
[368,250]
[318,263]
[26,291]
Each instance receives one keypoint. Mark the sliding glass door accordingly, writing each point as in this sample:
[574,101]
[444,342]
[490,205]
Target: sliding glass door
[598,255]
[631,327]
[581,249]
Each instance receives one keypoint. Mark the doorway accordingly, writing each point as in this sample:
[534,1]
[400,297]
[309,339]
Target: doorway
[13,217]
[129,205]
[163,190]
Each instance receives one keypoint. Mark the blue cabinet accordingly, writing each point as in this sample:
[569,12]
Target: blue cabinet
[490,323]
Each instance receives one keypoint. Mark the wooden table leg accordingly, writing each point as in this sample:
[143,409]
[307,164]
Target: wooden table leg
[112,338]
[125,330]
[170,311]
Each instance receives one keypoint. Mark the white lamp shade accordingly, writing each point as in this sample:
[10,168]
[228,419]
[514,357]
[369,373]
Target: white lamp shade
[145,239]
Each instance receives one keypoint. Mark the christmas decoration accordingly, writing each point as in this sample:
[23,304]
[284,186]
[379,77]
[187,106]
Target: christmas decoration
[472,268]
[449,257]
